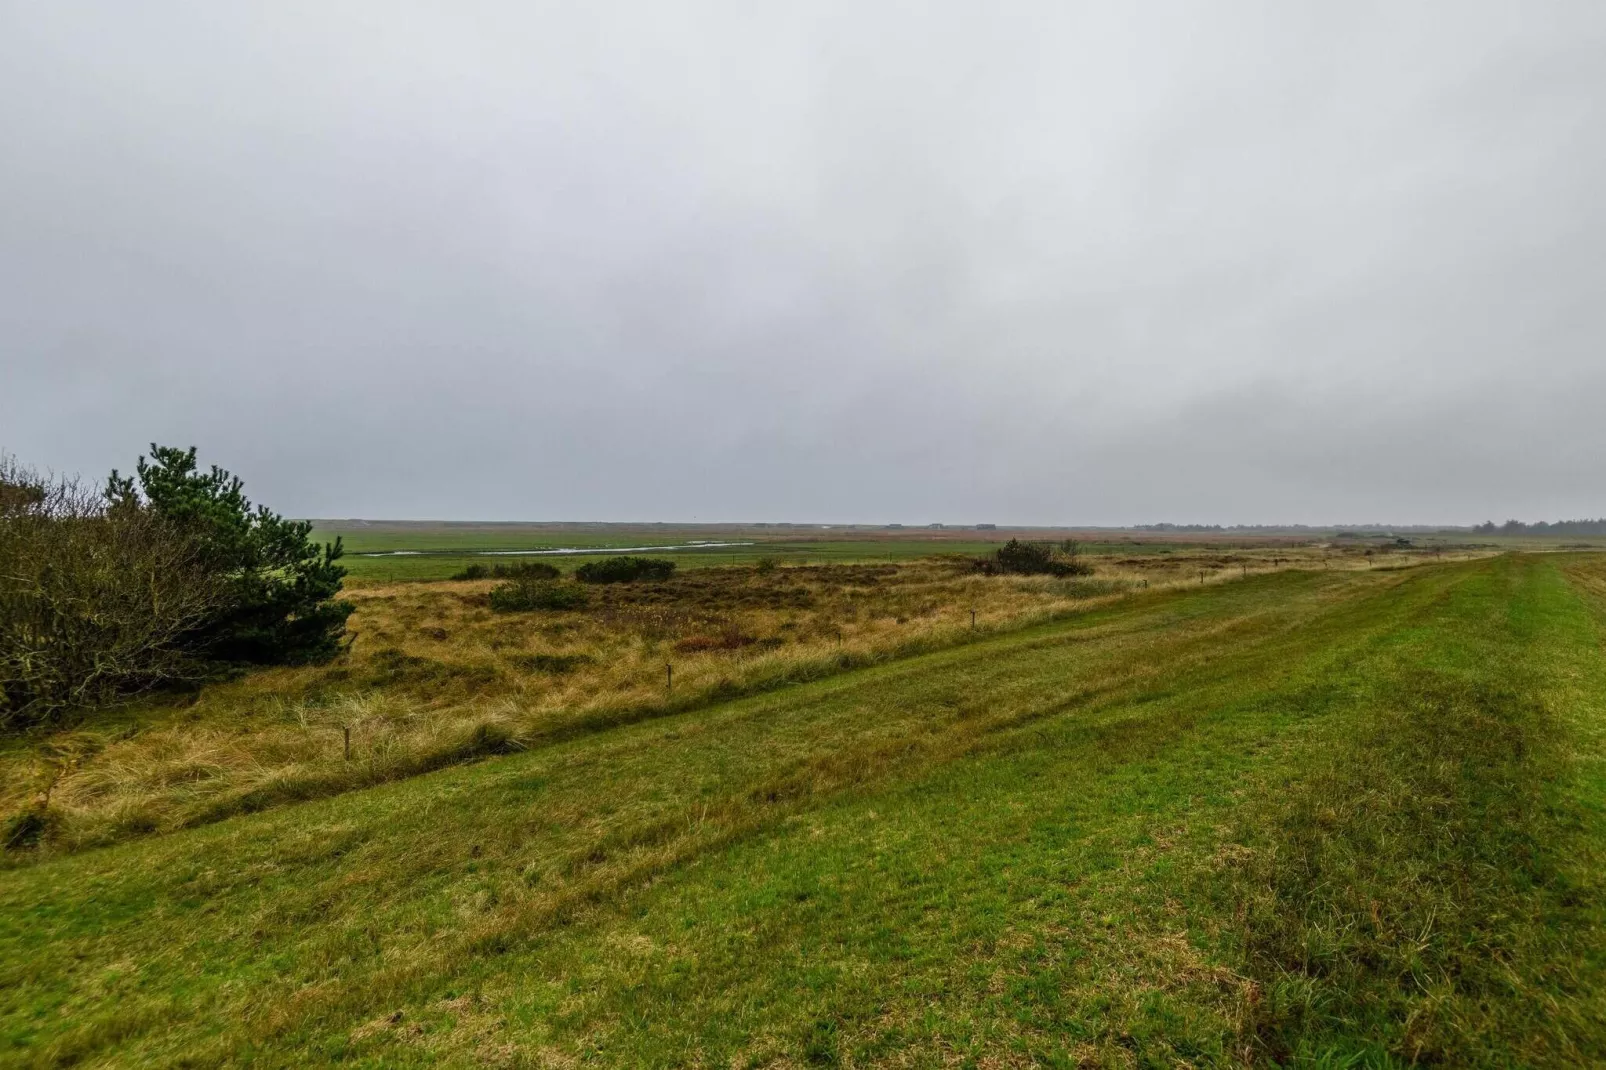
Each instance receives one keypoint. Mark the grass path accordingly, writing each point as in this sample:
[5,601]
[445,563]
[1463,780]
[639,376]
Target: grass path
[1340,819]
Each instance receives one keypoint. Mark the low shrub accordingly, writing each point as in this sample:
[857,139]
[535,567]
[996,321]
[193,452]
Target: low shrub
[526,570]
[1034,559]
[522,570]
[523,594]
[624,569]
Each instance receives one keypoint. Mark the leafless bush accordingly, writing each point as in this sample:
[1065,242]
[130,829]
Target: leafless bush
[97,601]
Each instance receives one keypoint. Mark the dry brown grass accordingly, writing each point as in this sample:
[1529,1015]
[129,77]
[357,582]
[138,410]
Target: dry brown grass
[435,678]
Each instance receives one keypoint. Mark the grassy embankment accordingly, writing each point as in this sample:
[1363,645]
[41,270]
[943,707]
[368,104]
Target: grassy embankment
[1334,819]
[435,678]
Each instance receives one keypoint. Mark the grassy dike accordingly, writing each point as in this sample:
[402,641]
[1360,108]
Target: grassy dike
[1328,820]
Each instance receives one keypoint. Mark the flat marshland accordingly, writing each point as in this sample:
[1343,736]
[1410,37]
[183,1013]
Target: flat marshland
[417,550]
[1302,812]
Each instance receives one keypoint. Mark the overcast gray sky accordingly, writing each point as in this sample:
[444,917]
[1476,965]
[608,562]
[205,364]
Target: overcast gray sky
[869,261]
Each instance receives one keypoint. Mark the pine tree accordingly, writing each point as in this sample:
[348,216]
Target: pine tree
[282,607]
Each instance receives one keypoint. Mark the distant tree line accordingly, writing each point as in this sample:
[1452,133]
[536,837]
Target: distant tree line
[1560,527]
[1179,527]
[165,577]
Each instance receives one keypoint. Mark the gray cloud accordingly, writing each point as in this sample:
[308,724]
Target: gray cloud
[1022,263]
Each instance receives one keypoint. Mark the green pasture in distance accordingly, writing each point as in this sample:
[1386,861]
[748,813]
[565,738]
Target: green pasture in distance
[438,553]
[423,551]
[443,564]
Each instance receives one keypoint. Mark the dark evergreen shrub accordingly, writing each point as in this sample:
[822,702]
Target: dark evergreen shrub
[526,570]
[624,569]
[281,607]
[1034,559]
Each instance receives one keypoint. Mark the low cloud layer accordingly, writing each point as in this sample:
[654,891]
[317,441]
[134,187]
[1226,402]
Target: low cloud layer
[1036,263]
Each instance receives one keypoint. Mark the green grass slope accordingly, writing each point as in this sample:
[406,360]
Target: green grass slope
[1307,819]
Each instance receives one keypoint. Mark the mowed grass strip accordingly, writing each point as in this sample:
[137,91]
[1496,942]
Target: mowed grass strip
[1424,886]
[1040,848]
